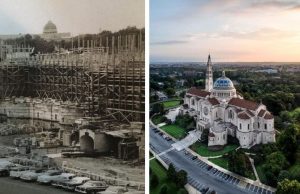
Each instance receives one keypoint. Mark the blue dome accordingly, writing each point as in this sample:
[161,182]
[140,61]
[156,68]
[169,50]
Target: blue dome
[223,83]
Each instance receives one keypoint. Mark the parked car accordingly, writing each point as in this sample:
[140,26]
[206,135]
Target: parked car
[48,176]
[5,167]
[91,187]
[31,175]
[194,157]
[161,133]
[204,190]
[168,138]
[60,179]
[209,167]
[16,172]
[72,184]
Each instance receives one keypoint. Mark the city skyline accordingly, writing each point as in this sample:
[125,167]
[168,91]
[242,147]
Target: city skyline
[77,17]
[231,31]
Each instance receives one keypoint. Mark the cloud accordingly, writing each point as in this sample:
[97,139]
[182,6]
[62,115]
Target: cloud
[170,42]
[260,34]
[274,4]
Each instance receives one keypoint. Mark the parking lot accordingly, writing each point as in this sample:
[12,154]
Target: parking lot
[200,175]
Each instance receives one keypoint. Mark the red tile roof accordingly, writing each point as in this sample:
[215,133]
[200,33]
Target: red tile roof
[261,113]
[243,103]
[250,113]
[198,92]
[238,110]
[213,101]
[268,116]
[243,115]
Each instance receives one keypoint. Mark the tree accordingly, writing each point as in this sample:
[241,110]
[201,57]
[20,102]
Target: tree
[284,174]
[171,173]
[158,108]
[181,178]
[238,162]
[182,94]
[288,186]
[287,143]
[185,121]
[274,163]
[182,191]
[163,189]
[154,181]
[170,92]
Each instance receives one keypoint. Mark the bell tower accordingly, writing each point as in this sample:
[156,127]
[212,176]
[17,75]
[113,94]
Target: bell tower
[209,76]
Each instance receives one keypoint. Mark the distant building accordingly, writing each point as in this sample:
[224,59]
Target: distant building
[161,96]
[49,33]
[180,83]
[268,71]
[224,112]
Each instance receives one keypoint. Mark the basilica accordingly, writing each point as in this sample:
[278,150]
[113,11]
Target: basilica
[223,111]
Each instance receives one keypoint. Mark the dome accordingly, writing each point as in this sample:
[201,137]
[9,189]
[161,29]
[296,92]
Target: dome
[50,28]
[223,83]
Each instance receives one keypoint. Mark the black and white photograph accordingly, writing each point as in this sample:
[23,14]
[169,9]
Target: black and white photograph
[72,96]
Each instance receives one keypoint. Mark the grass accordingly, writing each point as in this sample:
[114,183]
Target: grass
[202,149]
[222,162]
[157,119]
[174,130]
[161,173]
[171,103]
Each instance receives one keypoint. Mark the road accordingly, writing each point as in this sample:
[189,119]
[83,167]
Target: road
[11,186]
[198,174]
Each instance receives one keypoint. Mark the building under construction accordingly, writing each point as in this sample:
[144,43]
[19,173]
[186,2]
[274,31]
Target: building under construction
[95,81]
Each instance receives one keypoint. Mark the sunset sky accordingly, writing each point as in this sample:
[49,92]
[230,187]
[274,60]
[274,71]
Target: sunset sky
[231,30]
[75,16]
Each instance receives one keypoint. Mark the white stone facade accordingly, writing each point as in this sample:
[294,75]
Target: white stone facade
[224,112]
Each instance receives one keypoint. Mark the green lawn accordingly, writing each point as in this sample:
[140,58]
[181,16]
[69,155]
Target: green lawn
[202,149]
[174,131]
[161,173]
[172,103]
[222,162]
[157,119]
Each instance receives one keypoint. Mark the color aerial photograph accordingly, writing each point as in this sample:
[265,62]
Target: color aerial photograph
[72,96]
[224,97]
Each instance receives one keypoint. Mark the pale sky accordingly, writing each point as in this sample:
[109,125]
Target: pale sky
[75,16]
[231,30]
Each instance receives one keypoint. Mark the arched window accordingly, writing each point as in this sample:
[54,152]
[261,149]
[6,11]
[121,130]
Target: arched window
[231,115]
[240,125]
[266,126]
[248,126]
[193,102]
[258,125]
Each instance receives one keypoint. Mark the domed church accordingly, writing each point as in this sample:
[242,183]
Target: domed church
[221,110]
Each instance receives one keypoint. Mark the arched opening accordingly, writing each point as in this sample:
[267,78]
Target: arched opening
[86,143]
[75,137]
